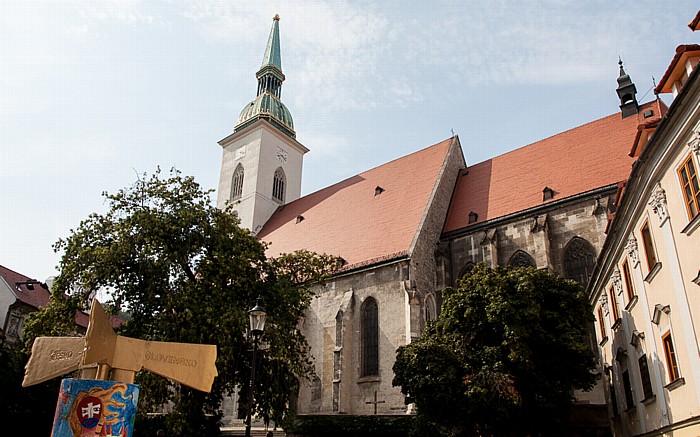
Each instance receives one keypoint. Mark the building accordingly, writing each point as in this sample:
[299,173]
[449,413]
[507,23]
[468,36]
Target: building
[413,226]
[644,288]
[19,296]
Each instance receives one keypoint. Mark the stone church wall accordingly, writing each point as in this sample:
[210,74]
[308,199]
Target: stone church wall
[336,342]
[543,235]
[423,274]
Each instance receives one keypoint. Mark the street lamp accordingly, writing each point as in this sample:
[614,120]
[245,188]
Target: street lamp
[257,316]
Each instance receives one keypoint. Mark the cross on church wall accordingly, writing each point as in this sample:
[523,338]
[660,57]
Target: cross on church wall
[375,402]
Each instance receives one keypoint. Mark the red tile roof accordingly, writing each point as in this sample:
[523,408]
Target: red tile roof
[695,24]
[675,68]
[590,156]
[349,220]
[35,295]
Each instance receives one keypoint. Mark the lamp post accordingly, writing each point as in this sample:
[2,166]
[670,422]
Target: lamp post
[257,316]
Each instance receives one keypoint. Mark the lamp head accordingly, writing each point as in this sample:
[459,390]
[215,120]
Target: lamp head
[257,316]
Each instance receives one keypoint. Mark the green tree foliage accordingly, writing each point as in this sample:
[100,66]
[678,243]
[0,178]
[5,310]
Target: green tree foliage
[503,357]
[184,271]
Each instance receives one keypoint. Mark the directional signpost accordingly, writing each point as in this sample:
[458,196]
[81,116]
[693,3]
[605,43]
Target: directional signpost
[103,402]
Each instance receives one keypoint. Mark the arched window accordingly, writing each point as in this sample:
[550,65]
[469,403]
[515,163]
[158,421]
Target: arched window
[467,269]
[521,259]
[370,338]
[237,183]
[278,183]
[579,259]
[430,308]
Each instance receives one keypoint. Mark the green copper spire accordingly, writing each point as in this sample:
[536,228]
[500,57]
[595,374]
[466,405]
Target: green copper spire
[273,56]
[267,105]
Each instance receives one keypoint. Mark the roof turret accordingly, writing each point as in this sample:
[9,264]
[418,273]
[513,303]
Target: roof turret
[627,92]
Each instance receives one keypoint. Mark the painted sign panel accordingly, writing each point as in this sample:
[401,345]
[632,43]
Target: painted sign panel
[88,407]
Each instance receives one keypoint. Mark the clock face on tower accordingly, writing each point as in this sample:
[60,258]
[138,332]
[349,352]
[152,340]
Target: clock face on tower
[281,155]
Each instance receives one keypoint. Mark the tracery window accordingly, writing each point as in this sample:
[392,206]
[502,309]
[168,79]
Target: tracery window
[278,184]
[467,269]
[237,183]
[521,259]
[579,259]
[370,338]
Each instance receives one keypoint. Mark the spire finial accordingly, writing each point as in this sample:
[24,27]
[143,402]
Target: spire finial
[276,17]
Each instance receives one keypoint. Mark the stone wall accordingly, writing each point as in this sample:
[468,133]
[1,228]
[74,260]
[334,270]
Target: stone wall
[335,342]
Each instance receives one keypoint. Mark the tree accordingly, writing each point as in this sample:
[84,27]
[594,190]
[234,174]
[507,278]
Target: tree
[503,357]
[184,271]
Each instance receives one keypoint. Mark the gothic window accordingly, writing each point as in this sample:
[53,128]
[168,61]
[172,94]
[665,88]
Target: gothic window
[521,259]
[278,185]
[466,270]
[237,183]
[649,251]
[579,259]
[670,354]
[370,338]
[691,189]
[430,308]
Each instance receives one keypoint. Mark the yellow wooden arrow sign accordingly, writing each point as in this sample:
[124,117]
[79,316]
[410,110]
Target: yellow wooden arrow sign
[118,357]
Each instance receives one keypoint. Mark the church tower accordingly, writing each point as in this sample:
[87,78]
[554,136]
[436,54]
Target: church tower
[262,160]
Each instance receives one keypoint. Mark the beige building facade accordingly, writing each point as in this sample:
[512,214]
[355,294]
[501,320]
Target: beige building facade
[645,290]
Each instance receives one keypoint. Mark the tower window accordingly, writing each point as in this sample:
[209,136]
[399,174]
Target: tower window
[579,259]
[237,183]
[278,185]
[370,338]
[473,217]
[547,194]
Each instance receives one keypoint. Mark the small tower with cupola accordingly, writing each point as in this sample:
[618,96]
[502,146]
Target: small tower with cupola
[262,160]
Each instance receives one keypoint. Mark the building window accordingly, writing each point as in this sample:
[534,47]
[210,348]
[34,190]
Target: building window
[648,246]
[370,338]
[646,378]
[689,184]
[627,386]
[613,305]
[601,325]
[430,308]
[473,217]
[670,354]
[579,259]
[13,328]
[628,281]
[237,183]
[467,269]
[521,259]
[278,184]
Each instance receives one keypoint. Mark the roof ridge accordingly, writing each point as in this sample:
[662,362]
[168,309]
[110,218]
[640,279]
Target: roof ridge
[368,170]
[558,134]
[17,273]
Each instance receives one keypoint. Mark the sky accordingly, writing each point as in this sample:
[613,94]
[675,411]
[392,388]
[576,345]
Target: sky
[95,93]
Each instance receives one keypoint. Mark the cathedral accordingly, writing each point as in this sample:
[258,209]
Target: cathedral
[411,227]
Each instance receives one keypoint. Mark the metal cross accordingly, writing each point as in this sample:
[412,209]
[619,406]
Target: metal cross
[375,402]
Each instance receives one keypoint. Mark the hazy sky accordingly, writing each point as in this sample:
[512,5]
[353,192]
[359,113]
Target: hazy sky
[94,92]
